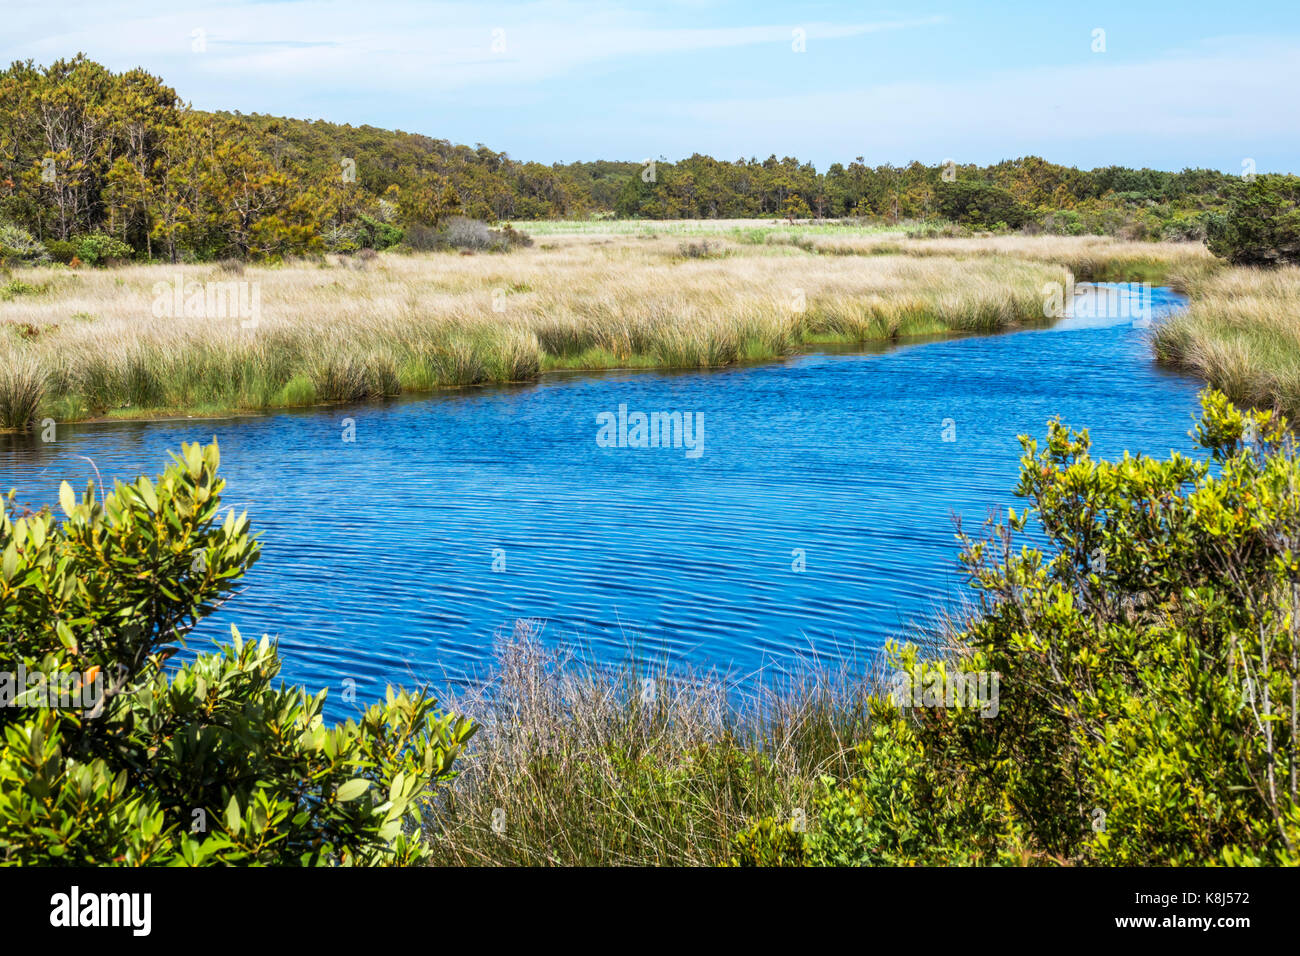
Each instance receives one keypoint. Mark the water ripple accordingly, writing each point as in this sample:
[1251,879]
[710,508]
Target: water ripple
[816,521]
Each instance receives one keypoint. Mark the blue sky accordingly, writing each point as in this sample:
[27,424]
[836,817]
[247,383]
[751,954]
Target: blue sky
[1178,84]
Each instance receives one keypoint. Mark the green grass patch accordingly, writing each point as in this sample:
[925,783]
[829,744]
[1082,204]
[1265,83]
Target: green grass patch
[299,390]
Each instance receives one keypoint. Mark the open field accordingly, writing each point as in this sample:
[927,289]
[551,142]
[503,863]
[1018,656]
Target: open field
[703,227]
[1095,258]
[79,344]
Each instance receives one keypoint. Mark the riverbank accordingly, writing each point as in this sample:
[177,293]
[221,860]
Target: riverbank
[1241,333]
[579,765]
[1021,733]
[150,341]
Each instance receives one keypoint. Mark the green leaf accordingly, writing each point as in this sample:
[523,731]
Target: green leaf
[352,789]
[9,564]
[67,499]
[233,820]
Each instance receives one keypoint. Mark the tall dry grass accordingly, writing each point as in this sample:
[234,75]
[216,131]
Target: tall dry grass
[1241,334]
[346,330]
[575,765]
[1088,258]
[22,387]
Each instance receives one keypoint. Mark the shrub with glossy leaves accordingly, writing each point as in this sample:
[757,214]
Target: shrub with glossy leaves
[211,762]
[1148,667]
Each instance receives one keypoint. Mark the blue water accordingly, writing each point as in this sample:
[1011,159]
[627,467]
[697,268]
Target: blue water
[378,554]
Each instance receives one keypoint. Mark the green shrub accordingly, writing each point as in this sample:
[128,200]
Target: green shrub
[61,250]
[17,247]
[897,811]
[1184,228]
[1147,674]
[212,762]
[1063,222]
[99,249]
[1261,225]
[1151,657]
[363,233]
[376,234]
[13,288]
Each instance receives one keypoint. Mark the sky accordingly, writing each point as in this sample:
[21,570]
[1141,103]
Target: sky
[1166,85]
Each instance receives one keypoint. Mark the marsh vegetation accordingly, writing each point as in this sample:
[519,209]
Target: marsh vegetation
[82,344]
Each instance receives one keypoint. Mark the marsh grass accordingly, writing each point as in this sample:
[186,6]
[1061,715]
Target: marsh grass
[22,387]
[331,333]
[1241,333]
[738,229]
[579,765]
[650,765]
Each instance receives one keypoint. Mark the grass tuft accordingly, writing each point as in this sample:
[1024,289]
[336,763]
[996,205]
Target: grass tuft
[22,387]
[1241,334]
[578,765]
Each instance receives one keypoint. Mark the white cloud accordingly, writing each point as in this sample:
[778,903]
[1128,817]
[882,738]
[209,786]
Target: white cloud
[431,66]
[387,45]
[1237,96]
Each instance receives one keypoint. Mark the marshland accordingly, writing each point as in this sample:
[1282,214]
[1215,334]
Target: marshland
[1019,427]
[93,343]
[646,643]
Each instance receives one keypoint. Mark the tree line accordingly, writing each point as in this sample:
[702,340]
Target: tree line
[85,152]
